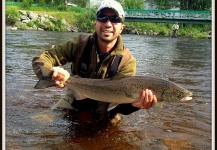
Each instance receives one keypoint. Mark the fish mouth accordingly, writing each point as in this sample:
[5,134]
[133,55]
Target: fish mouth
[188,97]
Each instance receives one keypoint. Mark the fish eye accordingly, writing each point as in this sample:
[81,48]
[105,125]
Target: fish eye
[179,96]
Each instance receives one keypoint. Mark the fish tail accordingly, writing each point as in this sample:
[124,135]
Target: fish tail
[46,79]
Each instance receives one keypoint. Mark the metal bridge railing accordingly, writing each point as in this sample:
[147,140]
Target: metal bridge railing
[169,14]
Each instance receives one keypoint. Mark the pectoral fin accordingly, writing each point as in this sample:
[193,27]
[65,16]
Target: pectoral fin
[157,106]
[79,96]
[112,106]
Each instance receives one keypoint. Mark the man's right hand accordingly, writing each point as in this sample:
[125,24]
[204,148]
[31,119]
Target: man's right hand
[60,76]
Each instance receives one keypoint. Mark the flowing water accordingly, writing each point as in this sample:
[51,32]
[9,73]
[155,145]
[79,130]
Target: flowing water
[177,126]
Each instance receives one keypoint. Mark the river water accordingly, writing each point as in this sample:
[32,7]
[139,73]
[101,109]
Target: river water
[177,126]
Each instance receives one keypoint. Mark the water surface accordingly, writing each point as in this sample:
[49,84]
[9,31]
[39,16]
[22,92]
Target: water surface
[178,126]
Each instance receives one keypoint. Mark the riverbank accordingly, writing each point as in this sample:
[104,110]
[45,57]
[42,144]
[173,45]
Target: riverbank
[17,19]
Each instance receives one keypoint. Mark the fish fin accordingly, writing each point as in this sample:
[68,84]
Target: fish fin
[46,79]
[119,75]
[112,106]
[63,104]
[44,83]
[157,106]
[79,96]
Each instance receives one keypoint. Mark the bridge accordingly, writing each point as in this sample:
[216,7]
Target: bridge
[168,16]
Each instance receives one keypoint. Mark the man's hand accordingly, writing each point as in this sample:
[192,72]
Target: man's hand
[147,100]
[60,76]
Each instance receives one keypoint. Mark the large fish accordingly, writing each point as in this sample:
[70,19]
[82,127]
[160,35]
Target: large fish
[124,89]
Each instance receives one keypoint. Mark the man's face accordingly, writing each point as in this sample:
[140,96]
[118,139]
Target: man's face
[108,31]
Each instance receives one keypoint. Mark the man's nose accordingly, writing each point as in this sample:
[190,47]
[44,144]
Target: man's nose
[108,22]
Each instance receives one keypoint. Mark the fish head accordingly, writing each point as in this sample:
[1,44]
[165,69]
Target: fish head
[176,94]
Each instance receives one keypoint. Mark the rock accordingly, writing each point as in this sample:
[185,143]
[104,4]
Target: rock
[72,29]
[40,29]
[22,12]
[11,28]
[32,16]
[23,17]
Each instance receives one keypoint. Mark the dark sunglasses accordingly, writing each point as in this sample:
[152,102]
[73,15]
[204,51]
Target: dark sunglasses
[113,19]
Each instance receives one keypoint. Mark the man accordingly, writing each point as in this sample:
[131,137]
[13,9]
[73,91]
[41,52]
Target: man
[175,28]
[97,56]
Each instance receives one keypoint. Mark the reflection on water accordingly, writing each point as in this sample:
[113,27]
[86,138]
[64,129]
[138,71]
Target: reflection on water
[30,124]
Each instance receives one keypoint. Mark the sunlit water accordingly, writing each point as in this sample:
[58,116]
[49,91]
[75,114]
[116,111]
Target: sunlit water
[177,126]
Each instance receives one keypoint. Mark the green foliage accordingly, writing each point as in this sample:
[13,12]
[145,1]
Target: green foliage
[182,4]
[30,24]
[163,31]
[50,28]
[59,2]
[12,16]
[27,3]
[38,23]
[183,32]
[133,4]
[163,4]
[57,22]
[42,2]
[85,23]
[80,3]
[62,7]
[23,27]
[86,20]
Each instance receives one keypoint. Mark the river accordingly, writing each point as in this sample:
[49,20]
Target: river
[177,126]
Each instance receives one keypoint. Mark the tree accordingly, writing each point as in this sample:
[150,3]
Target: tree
[195,4]
[80,3]
[132,4]
[182,4]
[163,4]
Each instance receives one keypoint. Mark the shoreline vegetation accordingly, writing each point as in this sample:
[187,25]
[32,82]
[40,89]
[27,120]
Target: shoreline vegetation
[75,20]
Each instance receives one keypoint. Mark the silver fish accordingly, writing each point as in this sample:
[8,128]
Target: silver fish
[119,89]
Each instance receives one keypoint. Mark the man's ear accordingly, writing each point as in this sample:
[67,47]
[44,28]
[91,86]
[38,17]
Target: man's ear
[122,27]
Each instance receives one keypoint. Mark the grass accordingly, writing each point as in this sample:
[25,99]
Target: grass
[70,16]
[85,21]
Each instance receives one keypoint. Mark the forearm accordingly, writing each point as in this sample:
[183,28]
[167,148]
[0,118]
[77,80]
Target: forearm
[56,56]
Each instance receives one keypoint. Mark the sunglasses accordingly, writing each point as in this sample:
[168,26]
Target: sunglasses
[113,19]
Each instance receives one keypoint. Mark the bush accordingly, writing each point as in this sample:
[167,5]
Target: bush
[12,16]
[38,23]
[86,20]
[23,27]
[163,31]
[200,35]
[50,28]
[27,3]
[30,24]
[62,8]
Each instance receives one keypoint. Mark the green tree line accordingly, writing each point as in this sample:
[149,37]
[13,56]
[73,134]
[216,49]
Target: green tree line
[134,4]
[182,4]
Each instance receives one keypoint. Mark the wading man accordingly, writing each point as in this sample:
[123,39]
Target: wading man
[175,28]
[99,55]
